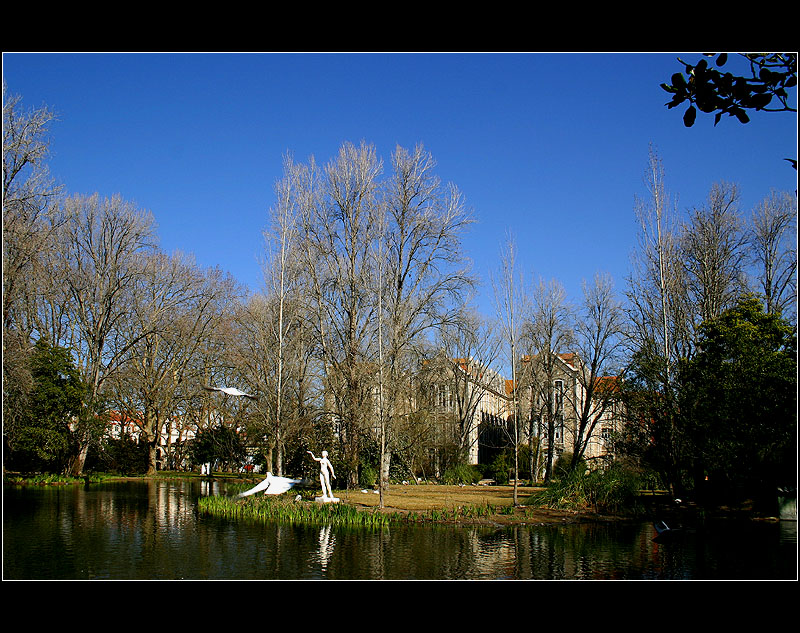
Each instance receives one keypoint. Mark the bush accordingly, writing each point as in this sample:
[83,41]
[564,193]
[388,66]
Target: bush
[367,477]
[461,474]
[613,489]
[562,466]
[499,468]
[610,490]
[124,456]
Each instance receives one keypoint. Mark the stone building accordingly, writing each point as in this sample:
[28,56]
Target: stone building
[565,409]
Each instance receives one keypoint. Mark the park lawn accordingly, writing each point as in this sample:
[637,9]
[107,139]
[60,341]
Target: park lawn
[422,497]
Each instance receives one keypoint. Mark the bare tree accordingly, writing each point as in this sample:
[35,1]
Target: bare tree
[31,214]
[254,353]
[425,279]
[598,335]
[174,305]
[773,237]
[548,334]
[279,273]
[713,254]
[470,346]
[337,212]
[510,300]
[101,248]
[657,306]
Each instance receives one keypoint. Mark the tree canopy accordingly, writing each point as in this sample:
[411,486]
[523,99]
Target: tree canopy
[43,438]
[739,401]
[710,90]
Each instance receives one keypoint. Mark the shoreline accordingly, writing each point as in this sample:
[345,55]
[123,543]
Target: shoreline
[427,499]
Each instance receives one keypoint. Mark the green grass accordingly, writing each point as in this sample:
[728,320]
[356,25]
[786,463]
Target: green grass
[284,509]
[51,479]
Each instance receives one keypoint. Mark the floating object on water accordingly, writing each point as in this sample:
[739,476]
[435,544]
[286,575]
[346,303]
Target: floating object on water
[666,533]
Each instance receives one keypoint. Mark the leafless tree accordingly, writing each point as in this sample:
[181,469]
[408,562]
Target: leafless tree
[31,216]
[773,244]
[101,248]
[713,254]
[470,347]
[657,307]
[598,336]
[425,277]
[337,210]
[548,333]
[280,276]
[30,211]
[511,303]
[174,306]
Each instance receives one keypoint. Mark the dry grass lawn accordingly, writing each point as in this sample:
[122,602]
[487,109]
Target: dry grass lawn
[418,498]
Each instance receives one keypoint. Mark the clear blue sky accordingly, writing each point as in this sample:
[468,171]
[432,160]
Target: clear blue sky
[551,147]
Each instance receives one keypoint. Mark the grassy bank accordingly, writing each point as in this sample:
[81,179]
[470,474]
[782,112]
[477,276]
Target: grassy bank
[423,503]
[412,504]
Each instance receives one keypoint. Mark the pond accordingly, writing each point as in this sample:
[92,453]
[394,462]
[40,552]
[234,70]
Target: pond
[152,530]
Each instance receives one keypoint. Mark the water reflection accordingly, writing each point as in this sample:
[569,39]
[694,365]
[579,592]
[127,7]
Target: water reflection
[151,530]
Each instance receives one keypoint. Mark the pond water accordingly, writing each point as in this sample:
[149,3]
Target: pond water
[152,530]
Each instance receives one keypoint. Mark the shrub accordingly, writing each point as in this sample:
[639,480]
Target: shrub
[610,490]
[461,474]
[124,456]
[563,463]
[499,468]
[367,477]
[613,489]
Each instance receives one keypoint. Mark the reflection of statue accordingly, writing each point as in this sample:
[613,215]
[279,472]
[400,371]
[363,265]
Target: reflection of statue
[325,473]
[272,485]
[326,542]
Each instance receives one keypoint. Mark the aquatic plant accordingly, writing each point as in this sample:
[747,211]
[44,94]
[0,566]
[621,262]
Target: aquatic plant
[49,479]
[266,508]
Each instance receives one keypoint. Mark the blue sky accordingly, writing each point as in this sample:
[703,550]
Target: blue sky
[549,147]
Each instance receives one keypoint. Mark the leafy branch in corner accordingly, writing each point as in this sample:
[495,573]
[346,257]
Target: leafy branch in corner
[710,90]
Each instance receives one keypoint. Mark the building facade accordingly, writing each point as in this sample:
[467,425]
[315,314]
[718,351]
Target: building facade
[565,410]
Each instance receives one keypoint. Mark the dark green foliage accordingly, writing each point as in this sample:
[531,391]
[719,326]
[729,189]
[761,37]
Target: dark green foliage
[43,439]
[712,90]
[500,467]
[563,466]
[604,490]
[367,476]
[739,402]
[461,474]
[123,456]
[218,444]
[724,428]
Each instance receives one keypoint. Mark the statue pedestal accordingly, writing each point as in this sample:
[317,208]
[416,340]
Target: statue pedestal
[326,499]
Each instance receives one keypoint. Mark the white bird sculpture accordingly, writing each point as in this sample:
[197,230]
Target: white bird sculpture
[272,485]
[231,391]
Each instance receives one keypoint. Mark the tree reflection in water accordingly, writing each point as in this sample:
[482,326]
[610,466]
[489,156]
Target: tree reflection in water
[151,530]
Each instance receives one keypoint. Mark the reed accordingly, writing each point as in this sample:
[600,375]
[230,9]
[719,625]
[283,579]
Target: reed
[51,479]
[265,508]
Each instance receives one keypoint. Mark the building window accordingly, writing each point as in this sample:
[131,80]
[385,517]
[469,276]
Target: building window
[558,397]
[558,409]
[444,398]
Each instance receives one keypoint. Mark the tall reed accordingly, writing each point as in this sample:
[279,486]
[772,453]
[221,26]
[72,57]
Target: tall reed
[265,508]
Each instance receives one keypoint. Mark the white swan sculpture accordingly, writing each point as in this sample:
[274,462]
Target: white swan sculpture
[272,485]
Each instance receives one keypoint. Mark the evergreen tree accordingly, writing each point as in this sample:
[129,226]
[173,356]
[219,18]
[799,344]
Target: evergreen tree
[738,402]
[44,440]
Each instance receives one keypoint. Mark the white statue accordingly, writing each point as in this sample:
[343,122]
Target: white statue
[325,474]
[272,485]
